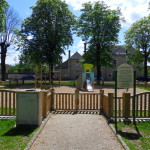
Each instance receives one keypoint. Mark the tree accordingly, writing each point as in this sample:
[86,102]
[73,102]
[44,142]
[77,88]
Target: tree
[99,26]
[50,28]
[7,36]
[137,40]
[3,6]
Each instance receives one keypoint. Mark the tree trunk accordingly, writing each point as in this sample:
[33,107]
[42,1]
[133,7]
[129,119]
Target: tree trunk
[52,73]
[145,66]
[3,58]
[98,63]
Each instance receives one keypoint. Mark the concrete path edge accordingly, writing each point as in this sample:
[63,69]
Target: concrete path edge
[38,132]
[119,138]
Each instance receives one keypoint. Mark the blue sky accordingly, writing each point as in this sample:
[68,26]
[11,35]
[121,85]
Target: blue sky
[132,11]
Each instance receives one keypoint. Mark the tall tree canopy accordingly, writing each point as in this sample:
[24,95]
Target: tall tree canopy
[99,26]
[3,6]
[137,40]
[7,35]
[50,31]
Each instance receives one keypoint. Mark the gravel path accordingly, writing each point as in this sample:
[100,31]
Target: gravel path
[76,132]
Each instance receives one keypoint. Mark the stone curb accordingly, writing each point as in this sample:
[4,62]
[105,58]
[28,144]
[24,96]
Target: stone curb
[38,132]
[119,138]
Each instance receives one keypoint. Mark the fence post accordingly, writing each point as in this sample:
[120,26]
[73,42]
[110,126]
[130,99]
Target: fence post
[52,99]
[110,104]
[101,100]
[77,99]
[126,105]
[44,104]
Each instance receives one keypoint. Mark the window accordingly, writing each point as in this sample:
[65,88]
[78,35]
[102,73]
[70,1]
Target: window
[77,63]
[110,74]
[114,63]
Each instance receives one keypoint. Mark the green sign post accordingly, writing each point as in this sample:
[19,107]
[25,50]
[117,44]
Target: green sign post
[125,77]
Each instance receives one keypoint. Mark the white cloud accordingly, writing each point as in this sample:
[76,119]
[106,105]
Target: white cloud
[29,37]
[80,44]
[12,57]
[132,10]
[80,47]
[81,51]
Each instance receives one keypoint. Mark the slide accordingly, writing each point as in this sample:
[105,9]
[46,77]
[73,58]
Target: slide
[89,85]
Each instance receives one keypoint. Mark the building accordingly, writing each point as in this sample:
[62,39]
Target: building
[72,68]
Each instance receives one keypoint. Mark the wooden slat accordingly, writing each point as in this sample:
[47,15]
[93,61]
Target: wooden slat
[9,103]
[72,102]
[56,97]
[88,101]
[2,96]
[96,101]
[141,100]
[6,103]
[145,101]
[63,102]
[60,101]
[99,101]
[137,105]
[14,103]
[84,101]
[69,101]
[149,105]
[93,101]
[81,101]
[119,107]
[65,99]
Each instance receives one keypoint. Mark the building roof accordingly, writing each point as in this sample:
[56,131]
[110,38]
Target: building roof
[119,50]
[75,56]
[64,65]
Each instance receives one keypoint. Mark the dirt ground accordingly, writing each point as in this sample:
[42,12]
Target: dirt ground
[71,89]
[66,89]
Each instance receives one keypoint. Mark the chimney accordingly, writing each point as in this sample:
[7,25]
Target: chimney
[84,48]
[69,53]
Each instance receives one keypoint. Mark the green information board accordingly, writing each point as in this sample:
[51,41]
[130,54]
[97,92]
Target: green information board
[125,76]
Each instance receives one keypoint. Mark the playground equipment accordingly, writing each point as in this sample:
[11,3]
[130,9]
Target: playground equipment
[86,81]
[52,73]
[40,76]
[44,76]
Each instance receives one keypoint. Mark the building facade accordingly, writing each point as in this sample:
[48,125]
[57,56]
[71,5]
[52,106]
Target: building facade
[72,68]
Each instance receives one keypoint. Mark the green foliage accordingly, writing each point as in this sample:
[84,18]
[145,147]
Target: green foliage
[99,26]
[137,40]
[50,31]
[24,68]
[3,6]
[105,56]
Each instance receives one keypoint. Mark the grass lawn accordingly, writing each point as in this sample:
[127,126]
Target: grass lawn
[14,138]
[141,86]
[136,137]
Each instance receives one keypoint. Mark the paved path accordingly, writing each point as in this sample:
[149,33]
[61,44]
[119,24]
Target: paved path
[76,132]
